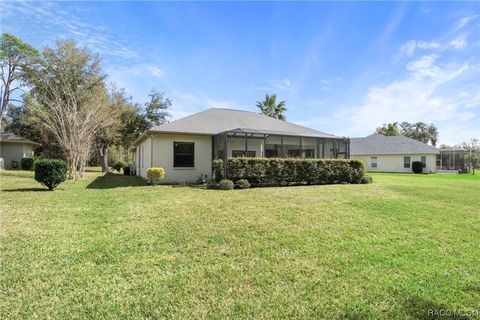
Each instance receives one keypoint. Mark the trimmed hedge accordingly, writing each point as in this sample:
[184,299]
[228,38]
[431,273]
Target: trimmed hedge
[50,172]
[155,175]
[28,163]
[281,171]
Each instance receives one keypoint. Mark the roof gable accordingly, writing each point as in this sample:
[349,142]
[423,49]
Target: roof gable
[13,138]
[380,144]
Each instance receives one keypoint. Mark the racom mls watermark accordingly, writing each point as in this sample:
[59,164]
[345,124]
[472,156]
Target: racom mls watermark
[454,313]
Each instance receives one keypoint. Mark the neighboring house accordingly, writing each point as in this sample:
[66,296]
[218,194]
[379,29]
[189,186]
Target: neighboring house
[186,147]
[393,153]
[12,149]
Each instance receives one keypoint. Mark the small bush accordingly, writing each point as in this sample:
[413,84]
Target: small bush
[51,173]
[417,166]
[29,163]
[243,184]
[367,180]
[217,166]
[225,184]
[212,184]
[155,175]
[117,166]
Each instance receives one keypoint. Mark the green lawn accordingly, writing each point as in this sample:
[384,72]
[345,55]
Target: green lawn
[111,247]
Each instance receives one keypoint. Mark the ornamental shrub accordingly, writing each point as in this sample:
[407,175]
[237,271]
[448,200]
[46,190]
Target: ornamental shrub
[225,184]
[155,175]
[28,163]
[217,166]
[417,166]
[50,172]
[243,184]
[287,171]
[212,184]
[118,166]
[367,180]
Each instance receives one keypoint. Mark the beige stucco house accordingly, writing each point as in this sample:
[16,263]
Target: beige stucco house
[186,147]
[393,153]
[12,149]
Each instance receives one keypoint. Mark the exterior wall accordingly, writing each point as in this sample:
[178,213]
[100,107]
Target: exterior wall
[14,151]
[162,156]
[394,163]
[143,159]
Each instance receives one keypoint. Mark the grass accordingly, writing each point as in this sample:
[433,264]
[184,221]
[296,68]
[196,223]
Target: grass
[111,247]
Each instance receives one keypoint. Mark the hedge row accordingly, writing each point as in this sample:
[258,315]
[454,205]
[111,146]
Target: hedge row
[281,171]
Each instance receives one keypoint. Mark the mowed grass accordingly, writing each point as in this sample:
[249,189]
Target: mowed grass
[111,247]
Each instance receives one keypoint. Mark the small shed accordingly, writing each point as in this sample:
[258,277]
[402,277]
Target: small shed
[13,148]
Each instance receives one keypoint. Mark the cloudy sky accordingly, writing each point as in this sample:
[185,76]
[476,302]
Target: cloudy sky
[343,68]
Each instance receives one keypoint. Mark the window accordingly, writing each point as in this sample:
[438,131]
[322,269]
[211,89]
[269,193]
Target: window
[373,162]
[243,153]
[406,162]
[271,153]
[183,154]
[424,162]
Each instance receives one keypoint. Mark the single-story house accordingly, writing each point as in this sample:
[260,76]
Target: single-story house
[393,153]
[186,147]
[12,149]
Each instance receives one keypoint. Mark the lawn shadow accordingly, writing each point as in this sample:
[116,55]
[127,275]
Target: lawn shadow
[25,190]
[112,180]
[421,308]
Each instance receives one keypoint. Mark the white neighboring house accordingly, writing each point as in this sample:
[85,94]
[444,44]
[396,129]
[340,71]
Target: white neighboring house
[393,153]
[186,147]
[12,149]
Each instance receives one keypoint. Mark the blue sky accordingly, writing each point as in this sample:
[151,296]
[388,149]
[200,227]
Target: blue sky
[343,68]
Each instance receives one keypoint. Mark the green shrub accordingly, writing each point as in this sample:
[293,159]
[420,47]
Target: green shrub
[243,184]
[212,184]
[217,166]
[225,184]
[29,163]
[367,180]
[155,175]
[51,173]
[285,171]
[417,166]
[118,166]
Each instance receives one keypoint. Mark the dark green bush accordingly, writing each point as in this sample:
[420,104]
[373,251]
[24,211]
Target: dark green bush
[243,184]
[28,163]
[225,184]
[281,171]
[417,166]
[118,165]
[51,173]
[217,166]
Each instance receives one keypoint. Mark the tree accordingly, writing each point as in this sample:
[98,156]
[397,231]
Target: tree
[420,131]
[473,155]
[390,129]
[17,60]
[73,103]
[156,110]
[269,107]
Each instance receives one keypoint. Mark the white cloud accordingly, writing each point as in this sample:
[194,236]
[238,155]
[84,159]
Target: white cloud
[458,43]
[463,22]
[410,47]
[429,93]
[156,71]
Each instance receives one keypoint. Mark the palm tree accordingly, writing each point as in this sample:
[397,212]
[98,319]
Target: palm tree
[269,107]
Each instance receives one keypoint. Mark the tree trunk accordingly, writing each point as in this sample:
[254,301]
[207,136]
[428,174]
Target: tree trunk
[104,162]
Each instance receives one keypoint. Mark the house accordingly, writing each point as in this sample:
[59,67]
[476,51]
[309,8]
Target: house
[186,147]
[393,153]
[12,149]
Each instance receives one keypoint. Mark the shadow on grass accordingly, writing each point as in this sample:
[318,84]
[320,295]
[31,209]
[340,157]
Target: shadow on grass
[112,180]
[421,308]
[25,190]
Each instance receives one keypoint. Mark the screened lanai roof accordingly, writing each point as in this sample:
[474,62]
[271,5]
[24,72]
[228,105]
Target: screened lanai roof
[256,133]
[217,120]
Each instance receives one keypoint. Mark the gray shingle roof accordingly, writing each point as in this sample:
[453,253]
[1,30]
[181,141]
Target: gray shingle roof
[217,120]
[13,138]
[379,144]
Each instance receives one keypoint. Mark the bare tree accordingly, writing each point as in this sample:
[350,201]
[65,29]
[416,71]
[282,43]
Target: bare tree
[74,104]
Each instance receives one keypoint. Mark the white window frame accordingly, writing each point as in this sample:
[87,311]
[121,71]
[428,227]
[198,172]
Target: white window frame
[373,162]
